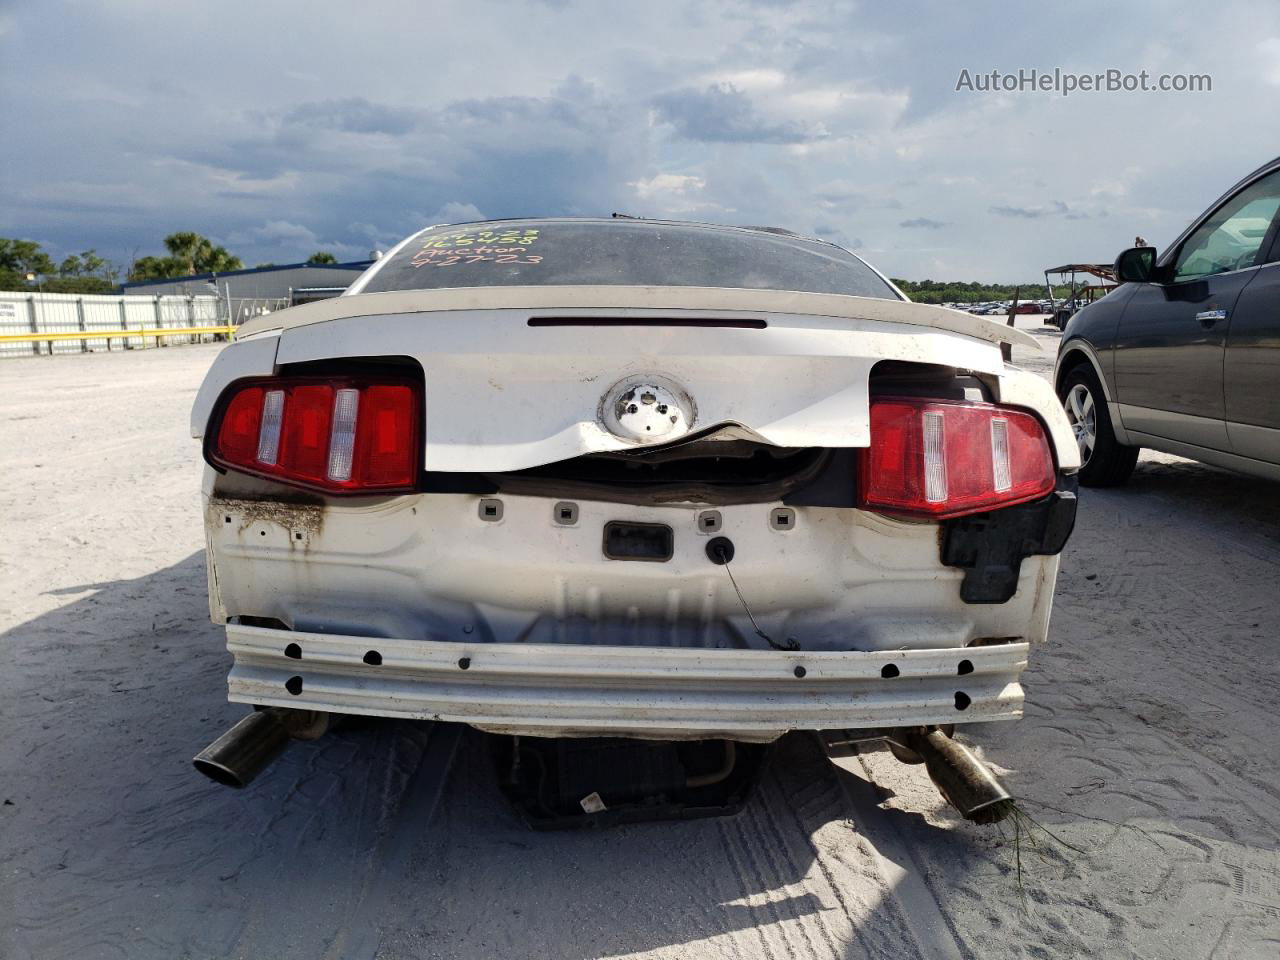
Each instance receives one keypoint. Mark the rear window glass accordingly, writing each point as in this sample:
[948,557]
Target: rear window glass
[627,252]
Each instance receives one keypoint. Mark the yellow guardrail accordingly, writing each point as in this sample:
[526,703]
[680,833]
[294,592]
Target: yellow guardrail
[110,334]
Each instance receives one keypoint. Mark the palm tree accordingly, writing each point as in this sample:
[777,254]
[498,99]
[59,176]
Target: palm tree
[218,260]
[197,254]
[188,248]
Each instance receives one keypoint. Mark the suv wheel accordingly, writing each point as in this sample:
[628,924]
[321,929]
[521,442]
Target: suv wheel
[1104,462]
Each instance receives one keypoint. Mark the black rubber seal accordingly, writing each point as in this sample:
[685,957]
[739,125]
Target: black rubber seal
[720,550]
[990,547]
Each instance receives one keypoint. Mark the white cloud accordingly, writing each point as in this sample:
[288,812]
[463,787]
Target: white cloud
[455,212]
[838,117]
[282,231]
[674,195]
[1270,51]
[666,183]
[750,81]
[284,241]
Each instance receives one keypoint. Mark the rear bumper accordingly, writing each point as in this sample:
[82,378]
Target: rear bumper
[654,692]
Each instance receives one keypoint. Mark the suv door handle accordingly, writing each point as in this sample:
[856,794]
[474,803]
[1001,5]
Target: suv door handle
[1208,318]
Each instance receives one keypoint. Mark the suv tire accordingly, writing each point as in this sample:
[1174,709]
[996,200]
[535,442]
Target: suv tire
[1105,462]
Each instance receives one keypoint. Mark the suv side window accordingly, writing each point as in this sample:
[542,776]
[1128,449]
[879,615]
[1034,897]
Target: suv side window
[1231,238]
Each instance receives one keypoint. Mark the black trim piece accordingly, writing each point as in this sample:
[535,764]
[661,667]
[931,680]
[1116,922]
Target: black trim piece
[643,322]
[436,482]
[834,485]
[653,542]
[836,490]
[646,495]
[990,547]
[696,469]
[1269,252]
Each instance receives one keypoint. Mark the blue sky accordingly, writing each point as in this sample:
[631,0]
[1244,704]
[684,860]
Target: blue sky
[281,128]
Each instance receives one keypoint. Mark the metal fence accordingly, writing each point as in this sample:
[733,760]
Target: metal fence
[133,322]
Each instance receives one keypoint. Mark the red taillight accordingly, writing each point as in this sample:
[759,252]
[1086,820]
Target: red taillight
[944,458]
[341,435]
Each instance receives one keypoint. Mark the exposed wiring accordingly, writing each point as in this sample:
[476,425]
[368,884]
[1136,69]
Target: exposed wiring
[791,643]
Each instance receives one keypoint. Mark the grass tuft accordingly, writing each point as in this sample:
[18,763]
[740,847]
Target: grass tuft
[1025,825]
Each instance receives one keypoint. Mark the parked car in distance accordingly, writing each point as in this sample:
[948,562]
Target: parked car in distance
[1027,307]
[587,478]
[1184,356]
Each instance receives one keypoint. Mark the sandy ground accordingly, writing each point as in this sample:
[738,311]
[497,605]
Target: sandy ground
[1148,747]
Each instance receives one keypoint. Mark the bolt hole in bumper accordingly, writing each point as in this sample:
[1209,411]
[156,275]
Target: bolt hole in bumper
[653,692]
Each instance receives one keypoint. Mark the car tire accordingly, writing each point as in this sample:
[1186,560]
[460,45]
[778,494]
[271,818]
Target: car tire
[1105,462]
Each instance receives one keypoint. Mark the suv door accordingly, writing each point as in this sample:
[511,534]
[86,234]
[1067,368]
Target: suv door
[1252,369]
[1171,344]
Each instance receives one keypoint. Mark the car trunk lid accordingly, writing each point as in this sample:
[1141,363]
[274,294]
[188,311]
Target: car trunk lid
[511,385]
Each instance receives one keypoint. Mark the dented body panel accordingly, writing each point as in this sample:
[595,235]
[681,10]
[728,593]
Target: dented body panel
[474,599]
[425,577]
[502,395]
[427,567]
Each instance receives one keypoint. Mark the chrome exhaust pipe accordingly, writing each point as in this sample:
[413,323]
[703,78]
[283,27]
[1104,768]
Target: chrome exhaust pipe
[962,779]
[248,748]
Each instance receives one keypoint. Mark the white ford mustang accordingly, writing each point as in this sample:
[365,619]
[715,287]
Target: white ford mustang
[571,478]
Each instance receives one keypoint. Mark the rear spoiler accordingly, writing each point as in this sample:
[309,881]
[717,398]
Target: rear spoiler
[665,299]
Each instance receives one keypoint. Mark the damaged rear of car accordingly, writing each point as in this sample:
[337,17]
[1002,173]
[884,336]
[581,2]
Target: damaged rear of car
[582,478]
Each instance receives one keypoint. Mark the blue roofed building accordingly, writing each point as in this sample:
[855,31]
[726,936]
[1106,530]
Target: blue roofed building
[286,284]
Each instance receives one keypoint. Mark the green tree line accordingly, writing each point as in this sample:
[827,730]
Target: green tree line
[957,291]
[25,265]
